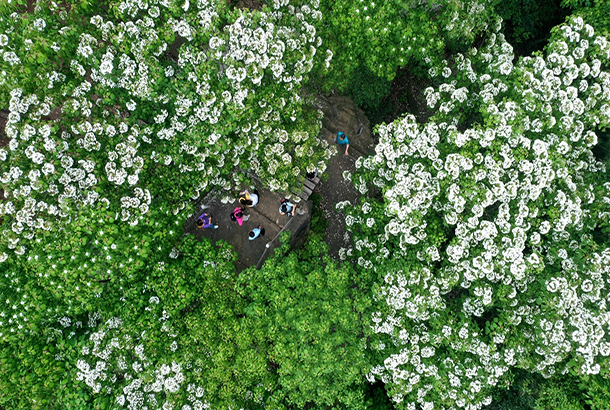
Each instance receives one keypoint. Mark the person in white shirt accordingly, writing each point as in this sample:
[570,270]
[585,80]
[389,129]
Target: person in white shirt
[248,199]
[287,208]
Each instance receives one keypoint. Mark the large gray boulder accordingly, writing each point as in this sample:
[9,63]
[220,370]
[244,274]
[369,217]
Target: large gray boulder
[341,114]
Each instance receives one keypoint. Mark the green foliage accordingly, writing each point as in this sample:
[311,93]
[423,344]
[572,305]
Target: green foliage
[522,390]
[367,89]
[106,297]
[198,292]
[91,269]
[378,398]
[318,219]
[597,391]
[368,92]
[196,313]
[387,34]
[528,23]
[37,371]
[311,315]
[560,393]
[517,391]
[595,12]
[602,149]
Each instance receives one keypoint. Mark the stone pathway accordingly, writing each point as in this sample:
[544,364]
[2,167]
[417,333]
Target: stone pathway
[333,190]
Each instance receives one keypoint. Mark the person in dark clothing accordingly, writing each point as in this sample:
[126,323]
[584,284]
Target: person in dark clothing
[287,208]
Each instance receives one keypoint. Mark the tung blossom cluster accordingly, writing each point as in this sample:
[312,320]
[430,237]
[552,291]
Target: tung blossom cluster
[112,350]
[484,230]
[127,118]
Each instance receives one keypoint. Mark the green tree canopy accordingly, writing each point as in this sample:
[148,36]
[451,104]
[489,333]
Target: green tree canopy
[312,316]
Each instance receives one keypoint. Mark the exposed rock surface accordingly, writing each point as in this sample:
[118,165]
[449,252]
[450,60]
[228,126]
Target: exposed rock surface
[340,114]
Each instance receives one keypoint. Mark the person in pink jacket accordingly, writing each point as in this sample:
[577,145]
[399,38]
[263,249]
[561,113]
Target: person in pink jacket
[238,215]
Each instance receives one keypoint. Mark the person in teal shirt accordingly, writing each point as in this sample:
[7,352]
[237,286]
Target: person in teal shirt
[341,139]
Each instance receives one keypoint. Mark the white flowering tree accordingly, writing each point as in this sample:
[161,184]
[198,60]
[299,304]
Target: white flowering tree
[485,227]
[143,105]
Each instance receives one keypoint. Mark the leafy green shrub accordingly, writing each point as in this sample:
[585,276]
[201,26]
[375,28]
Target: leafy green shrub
[597,391]
[318,219]
[523,390]
[309,315]
[368,89]
[385,35]
[528,23]
[378,398]
[369,92]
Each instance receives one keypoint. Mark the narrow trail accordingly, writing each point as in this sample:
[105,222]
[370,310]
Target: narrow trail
[340,114]
[334,190]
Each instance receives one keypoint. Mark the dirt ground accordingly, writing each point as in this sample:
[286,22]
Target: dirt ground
[334,188]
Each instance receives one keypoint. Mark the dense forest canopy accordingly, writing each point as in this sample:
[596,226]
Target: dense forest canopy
[478,270]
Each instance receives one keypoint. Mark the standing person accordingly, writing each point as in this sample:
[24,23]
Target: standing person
[205,221]
[287,207]
[248,199]
[238,215]
[256,232]
[341,139]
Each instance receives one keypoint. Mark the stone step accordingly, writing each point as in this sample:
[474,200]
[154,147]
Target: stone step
[309,184]
[266,216]
[269,205]
[304,194]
